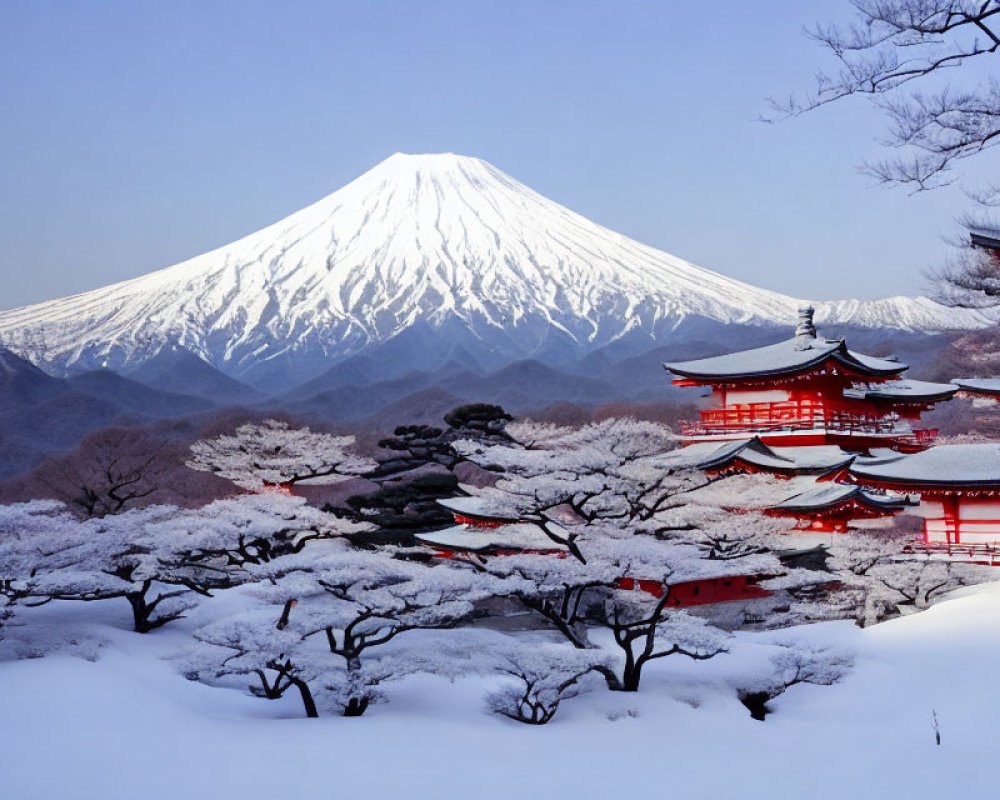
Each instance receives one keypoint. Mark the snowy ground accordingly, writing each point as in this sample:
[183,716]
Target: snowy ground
[128,725]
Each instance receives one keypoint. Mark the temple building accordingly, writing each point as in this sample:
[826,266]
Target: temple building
[473,511]
[982,391]
[748,456]
[484,533]
[959,487]
[807,391]
[987,239]
[515,539]
[835,508]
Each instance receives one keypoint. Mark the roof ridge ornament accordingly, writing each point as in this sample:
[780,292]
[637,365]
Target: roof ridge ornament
[805,329]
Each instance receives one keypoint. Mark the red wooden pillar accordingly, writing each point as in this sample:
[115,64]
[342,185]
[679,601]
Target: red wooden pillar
[953,523]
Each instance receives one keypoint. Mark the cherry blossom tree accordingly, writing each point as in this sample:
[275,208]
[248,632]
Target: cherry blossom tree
[272,453]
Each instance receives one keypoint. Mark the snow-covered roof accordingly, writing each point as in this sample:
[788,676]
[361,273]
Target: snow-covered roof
[978,385]
[709,455]
[985,237]
[903,390]
[788,357]
[473,507]
[519,536]
[834,494]
[951,465]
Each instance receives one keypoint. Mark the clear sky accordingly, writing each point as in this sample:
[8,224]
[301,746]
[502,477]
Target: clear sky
[134,135]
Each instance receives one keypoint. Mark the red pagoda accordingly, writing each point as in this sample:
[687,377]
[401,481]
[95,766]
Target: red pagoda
[807,391]
[959,487]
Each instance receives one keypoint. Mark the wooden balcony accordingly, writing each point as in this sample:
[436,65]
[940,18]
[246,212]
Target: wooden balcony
[984,554]
[763,418]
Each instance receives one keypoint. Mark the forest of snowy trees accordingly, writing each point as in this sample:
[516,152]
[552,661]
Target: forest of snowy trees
[328,612]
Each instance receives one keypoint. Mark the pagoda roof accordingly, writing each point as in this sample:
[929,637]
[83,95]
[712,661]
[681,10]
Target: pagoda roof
[989,386]
[985,237]
[518,536]
[954,465]
[475,507]
[789,357]
[835,495]
[753,452]
[902,391]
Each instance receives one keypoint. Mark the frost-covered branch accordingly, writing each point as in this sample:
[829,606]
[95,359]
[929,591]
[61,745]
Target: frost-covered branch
[272,453]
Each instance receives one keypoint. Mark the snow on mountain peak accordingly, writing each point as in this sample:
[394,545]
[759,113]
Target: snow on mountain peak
[440,240]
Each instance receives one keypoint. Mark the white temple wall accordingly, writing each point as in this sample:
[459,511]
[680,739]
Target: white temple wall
[979,509]
[744,396]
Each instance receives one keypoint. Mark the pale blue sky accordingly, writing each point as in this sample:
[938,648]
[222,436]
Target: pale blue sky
[135,135]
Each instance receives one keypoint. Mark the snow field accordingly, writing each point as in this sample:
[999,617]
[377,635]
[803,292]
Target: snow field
[129,724]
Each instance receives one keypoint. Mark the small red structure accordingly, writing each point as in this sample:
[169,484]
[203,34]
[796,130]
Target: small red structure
[504,540]
[701,592]
[481,533]
[833,507]
[473,511]
[751,456]
[809,390]
[982,391]
[959,487]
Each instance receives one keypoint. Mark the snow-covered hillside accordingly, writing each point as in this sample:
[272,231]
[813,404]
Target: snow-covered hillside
[129,724]
[443,242]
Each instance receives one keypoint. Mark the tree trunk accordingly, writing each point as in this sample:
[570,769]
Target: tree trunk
[756,704]
[307,699]
[630,677]
[631,672]
[356,706]
[140,610]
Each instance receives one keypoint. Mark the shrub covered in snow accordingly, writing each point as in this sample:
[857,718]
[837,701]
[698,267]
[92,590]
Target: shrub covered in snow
[540,678]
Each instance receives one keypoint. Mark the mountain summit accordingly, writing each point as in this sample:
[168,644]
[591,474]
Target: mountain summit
[425,247]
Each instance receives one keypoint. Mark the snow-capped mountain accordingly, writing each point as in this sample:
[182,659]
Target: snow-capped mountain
[443,245]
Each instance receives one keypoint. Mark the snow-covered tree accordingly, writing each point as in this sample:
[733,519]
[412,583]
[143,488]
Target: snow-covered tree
[19,574]
[540,678]
[629,507]
[794,664]
[917,582]
[884,580]
[157,558]
[323,617]
[273,453]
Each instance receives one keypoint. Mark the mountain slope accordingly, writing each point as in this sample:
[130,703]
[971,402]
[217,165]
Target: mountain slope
[41,414]
[444,243]
[176,370]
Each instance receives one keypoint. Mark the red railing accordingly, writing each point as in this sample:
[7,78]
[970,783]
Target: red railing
[805,415]
[986,554]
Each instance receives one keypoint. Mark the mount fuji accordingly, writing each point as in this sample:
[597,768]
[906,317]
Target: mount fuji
[424,258]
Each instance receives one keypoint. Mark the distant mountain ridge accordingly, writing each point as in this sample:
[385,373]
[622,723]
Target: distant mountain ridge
[417,256]
[41,414]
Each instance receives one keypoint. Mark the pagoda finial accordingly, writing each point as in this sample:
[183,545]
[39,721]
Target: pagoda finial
[806,327]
